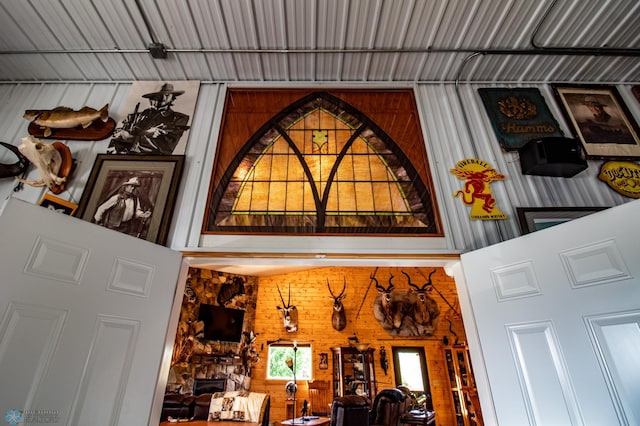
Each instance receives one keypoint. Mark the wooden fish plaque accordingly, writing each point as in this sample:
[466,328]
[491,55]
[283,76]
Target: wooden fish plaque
[97,131]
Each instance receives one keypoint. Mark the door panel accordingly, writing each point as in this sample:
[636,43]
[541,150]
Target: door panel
[556,313]
[84,313]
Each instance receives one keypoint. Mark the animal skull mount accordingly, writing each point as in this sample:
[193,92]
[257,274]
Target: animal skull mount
[289,312]
[53,161]
[338,317]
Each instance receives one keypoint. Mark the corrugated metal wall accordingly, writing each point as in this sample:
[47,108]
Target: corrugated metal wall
[455,126]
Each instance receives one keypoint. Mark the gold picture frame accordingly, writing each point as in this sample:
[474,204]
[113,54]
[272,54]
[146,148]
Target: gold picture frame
[600,120]
[58,204]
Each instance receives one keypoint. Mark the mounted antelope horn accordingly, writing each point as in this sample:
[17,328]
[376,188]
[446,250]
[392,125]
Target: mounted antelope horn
[428,283]
[390,283]
[378,286]
[412,285]
[282,298]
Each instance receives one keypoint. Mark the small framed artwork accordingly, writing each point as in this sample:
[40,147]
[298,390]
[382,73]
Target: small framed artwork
[324,361]
[537,218]
[134,195]
[57,204]
[601,120]
[518,115]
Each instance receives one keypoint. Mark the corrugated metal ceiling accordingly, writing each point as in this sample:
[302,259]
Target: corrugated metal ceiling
[321,40]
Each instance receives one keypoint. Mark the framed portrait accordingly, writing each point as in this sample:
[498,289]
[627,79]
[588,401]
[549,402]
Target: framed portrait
[518,115]
[601,120]
[537,218]
[134,195]
[57,204]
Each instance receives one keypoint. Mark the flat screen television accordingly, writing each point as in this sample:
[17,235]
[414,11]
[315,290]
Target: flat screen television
[220,323]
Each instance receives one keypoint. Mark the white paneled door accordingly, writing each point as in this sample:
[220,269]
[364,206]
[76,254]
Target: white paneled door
[558,318]
[83,320]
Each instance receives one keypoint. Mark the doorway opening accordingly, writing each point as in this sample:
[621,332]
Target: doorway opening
[410,367]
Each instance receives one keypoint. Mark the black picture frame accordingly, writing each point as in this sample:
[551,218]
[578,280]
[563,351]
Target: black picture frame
[610,134]
[533,219]
[158,177]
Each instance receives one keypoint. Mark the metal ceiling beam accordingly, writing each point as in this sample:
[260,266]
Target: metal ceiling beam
[551,51]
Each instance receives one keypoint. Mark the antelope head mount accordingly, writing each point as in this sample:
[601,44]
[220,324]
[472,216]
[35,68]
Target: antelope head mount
[338,317]
[391,309]
[425,309]
[422,291]
[289,312]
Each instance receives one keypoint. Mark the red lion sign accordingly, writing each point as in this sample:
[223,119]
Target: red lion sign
[477,193]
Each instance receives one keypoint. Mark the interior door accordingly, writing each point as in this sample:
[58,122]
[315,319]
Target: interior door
[557,313]
[83,320]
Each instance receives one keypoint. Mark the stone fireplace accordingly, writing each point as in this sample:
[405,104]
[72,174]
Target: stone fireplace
[197,363]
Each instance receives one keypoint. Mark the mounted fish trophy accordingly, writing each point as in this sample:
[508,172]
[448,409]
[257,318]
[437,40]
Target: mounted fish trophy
[65,123]
[54,162]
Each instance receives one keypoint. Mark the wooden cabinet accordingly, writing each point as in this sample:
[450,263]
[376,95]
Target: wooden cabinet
[353,372]
[463,387]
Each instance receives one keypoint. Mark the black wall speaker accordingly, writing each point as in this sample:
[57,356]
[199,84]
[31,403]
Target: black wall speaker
[553,156]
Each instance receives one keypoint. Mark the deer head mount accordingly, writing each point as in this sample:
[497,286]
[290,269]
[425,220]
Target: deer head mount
[338,317]
[289,312]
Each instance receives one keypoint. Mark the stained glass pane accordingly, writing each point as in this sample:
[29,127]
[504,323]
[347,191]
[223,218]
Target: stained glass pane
[368,183]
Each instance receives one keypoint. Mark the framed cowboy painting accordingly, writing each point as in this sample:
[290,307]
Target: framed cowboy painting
[601,120]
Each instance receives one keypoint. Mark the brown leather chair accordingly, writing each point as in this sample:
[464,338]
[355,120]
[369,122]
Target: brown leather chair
[350,410]
[388,406]
[177,405]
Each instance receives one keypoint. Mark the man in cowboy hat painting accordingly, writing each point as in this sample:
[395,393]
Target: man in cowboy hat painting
[155,130]
[122,210]
[601,126]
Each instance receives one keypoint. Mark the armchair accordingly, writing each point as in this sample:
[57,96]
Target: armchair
[350,410]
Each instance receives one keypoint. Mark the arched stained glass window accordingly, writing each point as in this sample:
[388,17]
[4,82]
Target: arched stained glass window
[321,167]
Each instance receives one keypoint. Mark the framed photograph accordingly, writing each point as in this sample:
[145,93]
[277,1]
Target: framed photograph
[57,204]
[536,218]
[134,195]
[518,115]
[601,120]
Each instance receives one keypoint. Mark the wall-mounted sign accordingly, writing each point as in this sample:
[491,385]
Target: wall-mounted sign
[478,175]
[622,176]
[518,115]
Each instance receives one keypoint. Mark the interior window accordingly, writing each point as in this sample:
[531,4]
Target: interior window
[321,166]
[410,367]
[281,356]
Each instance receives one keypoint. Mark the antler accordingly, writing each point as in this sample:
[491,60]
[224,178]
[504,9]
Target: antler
[429,283]
[282,298]
[412,285]
[344,287]
[390,283]
[378,286]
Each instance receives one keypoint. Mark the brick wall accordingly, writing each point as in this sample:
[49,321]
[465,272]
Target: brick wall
[310,294]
